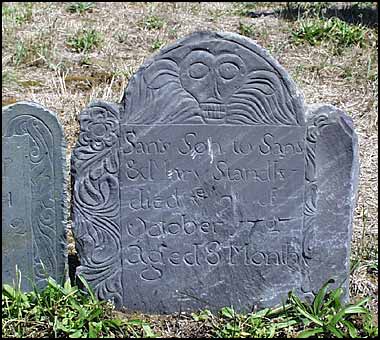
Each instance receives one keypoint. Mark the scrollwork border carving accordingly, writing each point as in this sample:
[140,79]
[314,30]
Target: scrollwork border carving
[96,201]
[313,131]
[43,203]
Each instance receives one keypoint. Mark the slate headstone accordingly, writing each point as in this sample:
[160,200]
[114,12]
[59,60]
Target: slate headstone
[211,184]
[33,195]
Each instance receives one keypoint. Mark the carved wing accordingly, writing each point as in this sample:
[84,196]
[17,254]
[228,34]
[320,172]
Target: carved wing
[157,96]
[261,100]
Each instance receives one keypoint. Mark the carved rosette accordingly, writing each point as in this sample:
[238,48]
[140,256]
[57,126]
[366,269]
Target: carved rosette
[42,186]
[309,249]
[96,203]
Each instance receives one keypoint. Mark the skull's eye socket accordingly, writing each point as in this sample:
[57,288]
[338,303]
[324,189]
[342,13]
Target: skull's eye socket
[198,70]
[228,70]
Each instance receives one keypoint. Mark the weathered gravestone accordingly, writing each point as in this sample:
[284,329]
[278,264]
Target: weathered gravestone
[212,185]
[33,195]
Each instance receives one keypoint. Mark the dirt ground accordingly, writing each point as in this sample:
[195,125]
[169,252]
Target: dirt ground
[39,65]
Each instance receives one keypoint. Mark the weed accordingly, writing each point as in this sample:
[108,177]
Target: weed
[153,22]
[20,53]
[157,45]
[308,9]
[121,37]
[203,315]
[18,14]
[315,31]
[67,311]
[7,78]
[85,40]
[32,51]
[7,11]
[85,60]
[245,29]
[370,329]
[173,32]
[364,4]
[215,13]
[325,316]
[195,8]
[138,328]
[61,311]
[126,72]
[366,253]
[244,8]
[81,7]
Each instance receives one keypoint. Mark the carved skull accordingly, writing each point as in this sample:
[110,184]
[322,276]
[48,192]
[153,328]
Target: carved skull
[212,80]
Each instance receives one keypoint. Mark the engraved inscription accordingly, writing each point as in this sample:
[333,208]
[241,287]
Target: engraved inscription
[205,203]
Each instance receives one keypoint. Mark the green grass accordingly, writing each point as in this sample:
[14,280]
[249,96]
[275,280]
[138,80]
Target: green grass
[341,34]
[20,53]
[244,8]
[246,30]
[308,9]
[66,311]
[7,78]
[80,7]
[153,22]
[17,14]
[363,4]
[85,40]
[63,311]
[326,316]
[32,51]
[157,44]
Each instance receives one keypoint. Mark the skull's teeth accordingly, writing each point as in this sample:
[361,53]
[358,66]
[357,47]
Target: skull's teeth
[214,114]
[212,110]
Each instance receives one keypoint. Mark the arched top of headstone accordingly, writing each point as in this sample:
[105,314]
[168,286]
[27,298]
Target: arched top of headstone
[213,78]
[14,117]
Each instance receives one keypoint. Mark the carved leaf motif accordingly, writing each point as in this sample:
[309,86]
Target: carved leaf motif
[96,172]
[96,201]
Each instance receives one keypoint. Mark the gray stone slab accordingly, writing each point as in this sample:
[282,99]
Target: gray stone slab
[211,184]
[33,195]
[16,218]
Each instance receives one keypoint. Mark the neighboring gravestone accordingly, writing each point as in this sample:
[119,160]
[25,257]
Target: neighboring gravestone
[33,195]
[208,187]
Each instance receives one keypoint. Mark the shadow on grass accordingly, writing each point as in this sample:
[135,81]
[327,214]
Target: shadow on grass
[352,14]
[74,262]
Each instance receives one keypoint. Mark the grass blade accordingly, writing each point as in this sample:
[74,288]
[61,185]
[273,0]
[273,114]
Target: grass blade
[310,332]
[318,300]
[302,309]
[94,299]
[351,328]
